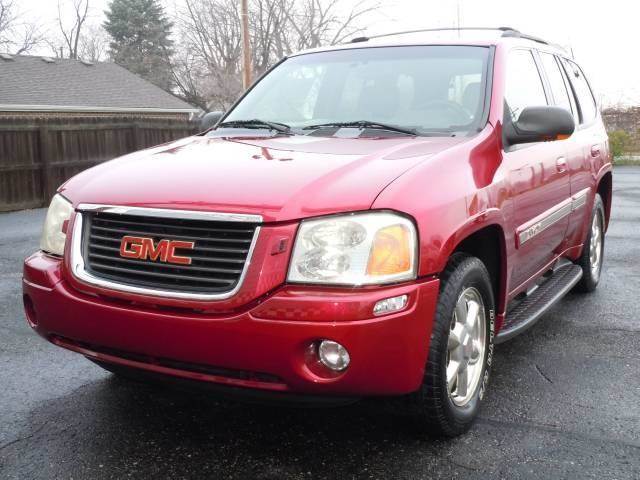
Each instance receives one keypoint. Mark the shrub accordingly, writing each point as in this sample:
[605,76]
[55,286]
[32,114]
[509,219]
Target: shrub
[619,140]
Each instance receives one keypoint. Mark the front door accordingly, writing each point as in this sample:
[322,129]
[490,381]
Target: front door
[538,175]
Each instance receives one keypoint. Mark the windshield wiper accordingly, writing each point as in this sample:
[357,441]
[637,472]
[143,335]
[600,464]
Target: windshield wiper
[362,124]
[256,123]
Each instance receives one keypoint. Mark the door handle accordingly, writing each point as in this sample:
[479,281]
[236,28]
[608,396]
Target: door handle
[595,150]
[561,164]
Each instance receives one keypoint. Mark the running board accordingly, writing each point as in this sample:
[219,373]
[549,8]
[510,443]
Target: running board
[529,310]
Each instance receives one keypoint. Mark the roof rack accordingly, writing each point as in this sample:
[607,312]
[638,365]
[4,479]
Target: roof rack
[506,32]
[517,34]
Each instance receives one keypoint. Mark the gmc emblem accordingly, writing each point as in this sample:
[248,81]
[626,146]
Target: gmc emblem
[143,248]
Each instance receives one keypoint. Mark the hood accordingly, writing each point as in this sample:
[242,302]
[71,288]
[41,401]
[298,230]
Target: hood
[281,178]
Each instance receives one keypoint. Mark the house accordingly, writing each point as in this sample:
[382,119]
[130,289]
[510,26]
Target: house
[60,116]
[66,88]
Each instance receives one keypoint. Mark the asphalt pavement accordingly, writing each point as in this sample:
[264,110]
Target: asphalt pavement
[564,400]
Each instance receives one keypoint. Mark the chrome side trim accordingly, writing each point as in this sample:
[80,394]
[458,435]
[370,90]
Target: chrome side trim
[167,213]
[579,199]
[556,213]
[78,266]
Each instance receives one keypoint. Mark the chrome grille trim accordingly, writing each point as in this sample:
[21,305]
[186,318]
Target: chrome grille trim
[79,270]
[168,213]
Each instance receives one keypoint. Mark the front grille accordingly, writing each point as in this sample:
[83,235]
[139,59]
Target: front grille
[221,250]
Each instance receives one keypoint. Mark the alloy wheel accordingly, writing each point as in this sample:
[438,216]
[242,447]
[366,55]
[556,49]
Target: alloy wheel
[466,346]
[595,247]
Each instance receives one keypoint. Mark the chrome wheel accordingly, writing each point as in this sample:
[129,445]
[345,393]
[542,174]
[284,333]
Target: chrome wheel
[595,247]
[466,346]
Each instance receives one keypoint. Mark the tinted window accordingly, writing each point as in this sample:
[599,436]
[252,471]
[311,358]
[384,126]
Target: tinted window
[572,95]
[426,88]
[556,81]
[583,92]
[524,86]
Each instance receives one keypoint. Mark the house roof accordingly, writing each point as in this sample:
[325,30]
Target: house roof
[32,83]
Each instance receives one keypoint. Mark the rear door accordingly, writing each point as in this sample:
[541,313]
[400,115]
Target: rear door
[538,175]
[589,142]
[578,164]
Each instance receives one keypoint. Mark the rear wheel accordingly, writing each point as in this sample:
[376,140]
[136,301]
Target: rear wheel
[593,250]
[460,352]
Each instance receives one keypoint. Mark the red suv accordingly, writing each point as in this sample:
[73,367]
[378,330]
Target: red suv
[367,220]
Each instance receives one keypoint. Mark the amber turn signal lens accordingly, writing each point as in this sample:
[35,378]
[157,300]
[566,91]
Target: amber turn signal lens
[391,251]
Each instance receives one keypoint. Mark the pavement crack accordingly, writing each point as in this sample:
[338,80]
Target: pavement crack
[524,425]
[462,465]
[542,374]
[22,439]
[623,330]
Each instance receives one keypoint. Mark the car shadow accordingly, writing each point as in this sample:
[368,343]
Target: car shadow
[119,427]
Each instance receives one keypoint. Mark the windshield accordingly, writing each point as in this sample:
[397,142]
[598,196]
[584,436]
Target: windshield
[427,89]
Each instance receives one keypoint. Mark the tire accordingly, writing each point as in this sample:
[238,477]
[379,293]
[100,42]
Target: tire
[593,249]
[438,411]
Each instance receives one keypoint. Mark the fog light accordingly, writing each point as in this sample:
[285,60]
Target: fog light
[389,305]
[333,355]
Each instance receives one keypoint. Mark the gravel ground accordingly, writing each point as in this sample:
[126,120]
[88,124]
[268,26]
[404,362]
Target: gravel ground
[564,401]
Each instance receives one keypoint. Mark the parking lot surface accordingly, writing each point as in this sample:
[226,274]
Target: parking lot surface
[564,400]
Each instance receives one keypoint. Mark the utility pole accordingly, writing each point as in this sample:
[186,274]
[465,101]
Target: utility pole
[246,45]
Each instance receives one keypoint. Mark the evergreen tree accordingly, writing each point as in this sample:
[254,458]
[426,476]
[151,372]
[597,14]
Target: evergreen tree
[140,42]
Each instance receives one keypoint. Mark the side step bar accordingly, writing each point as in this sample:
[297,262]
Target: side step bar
[529,310]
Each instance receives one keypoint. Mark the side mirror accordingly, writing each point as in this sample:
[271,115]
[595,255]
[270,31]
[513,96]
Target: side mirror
[209,120]
[540,124]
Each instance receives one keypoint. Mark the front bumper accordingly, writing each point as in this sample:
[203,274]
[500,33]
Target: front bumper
[266,346]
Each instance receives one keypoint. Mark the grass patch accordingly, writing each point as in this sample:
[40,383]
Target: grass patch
[630,160]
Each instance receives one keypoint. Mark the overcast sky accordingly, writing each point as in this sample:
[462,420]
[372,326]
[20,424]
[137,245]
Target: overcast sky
[604,36]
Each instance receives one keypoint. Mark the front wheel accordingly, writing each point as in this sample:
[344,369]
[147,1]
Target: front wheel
[460,352]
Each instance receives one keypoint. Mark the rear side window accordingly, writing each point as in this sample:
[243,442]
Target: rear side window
[588,109]
[524,85]
[556,81]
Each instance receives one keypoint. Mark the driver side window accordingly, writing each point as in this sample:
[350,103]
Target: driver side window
[524,86]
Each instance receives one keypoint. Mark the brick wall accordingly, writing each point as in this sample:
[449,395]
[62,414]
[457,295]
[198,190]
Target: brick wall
[627,119]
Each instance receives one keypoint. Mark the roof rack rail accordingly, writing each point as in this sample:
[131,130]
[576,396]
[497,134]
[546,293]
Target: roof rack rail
[517,34]
[506,32]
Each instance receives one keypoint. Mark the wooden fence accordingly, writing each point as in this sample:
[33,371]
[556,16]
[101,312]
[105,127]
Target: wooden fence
[36,156]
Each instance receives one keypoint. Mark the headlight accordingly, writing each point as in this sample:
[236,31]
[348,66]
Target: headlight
[358,249]
[53,236]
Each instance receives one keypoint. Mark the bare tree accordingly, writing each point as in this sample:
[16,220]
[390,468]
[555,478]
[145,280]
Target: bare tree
[268,25]
[319,22]
[207,62]
[72,34]
[16,36]
[94,43]
[7,18]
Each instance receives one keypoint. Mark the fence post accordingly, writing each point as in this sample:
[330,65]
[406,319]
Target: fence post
[45,148]
[136,136]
